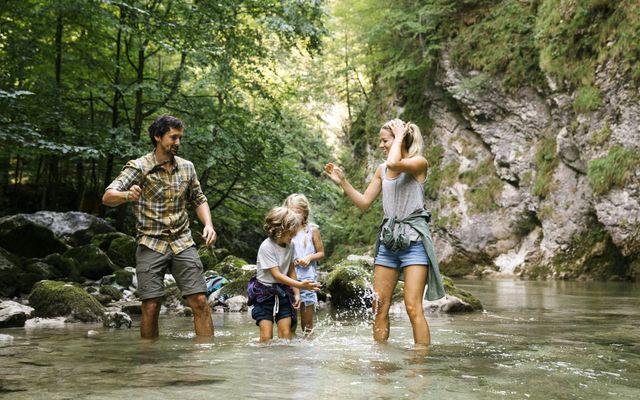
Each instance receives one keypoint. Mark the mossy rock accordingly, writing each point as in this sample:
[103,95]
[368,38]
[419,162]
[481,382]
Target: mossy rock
[31,241]
[110,291]
[103,299]
[591,255]
[124,277]
[350,285]
[57,299]
[451,289]
[238,286]
[122,251]
[33,272]
[230,267]
[63,268]
[93,262]
[465,265]
[103,240]
[10,273]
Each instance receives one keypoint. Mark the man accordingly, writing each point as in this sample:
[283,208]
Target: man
[159,184]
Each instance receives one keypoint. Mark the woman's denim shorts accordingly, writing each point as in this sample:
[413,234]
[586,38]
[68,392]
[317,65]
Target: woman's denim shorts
[415,254]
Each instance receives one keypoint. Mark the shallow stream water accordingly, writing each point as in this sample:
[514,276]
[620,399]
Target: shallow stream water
[535,340]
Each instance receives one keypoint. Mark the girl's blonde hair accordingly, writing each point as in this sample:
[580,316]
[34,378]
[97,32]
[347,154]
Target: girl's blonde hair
[299,202]
[281,220]
[412,144]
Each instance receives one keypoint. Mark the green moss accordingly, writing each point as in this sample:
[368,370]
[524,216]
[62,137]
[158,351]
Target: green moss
[592,254]
[546,162]
[450,173]
[483,198]
[612,170]
[122,251]
[124,278]
[238,286]
[63,268]
[484,187]
[451,289]
[500,40]
[103,240]
[434,157]
[55,299]
[349,285]
[526,179]
[600,137]
[230,267]
[587,99]
[448,221]
[110,291]
[539,272]
[93,262]
[575,36]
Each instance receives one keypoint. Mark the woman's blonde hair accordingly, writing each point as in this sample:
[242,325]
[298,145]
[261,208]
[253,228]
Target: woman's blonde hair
[299,202]
[413,143]
[280,220]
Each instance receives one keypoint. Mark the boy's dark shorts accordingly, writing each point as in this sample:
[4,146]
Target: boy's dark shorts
[264,310]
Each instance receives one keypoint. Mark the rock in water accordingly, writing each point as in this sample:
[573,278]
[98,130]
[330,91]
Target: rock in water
[54,299]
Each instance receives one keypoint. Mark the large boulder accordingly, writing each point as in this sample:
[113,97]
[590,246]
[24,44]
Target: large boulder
[237,286]
[13,314]
[10,273]
[74,228]
[33,271]
[124,278]
[63,268]
[29,239]
[59,299]
[230,267]
[93,262]
[103,240]
[122,251]
[350,285]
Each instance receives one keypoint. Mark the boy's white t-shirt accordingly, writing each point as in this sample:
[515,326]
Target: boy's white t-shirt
[270,255]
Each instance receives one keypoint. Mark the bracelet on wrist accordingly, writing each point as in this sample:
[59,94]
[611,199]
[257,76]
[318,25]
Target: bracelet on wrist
[126,197]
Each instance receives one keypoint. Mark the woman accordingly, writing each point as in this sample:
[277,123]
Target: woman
[404,246]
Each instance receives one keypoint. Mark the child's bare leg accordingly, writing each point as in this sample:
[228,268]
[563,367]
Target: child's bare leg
[306,315]
[284,328]
[266,330]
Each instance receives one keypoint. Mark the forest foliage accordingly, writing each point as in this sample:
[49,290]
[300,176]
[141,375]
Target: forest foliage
[80,80]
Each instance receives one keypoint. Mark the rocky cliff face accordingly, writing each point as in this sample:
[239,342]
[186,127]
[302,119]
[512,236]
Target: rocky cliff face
[511,187]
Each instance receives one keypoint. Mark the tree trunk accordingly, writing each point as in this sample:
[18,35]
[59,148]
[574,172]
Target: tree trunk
[138,110]
[346,73]
[117,95]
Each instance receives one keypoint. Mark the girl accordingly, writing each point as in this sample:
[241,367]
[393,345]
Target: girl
[404,245]
[308,249]
[270,291]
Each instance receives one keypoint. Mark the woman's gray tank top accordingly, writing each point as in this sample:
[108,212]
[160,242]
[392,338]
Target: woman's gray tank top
[401,196]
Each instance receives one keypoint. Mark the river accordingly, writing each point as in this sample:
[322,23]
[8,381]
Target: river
[535,340]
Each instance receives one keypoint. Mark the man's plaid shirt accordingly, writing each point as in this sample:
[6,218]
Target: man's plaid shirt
[161,215]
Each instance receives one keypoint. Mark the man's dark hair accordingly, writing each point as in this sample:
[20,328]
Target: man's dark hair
[162,125]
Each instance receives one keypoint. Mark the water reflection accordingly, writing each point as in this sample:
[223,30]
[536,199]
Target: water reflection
[535,340]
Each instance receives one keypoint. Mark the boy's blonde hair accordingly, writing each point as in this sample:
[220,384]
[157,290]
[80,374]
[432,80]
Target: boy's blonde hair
[412,144]
[280,220]
[299,201]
